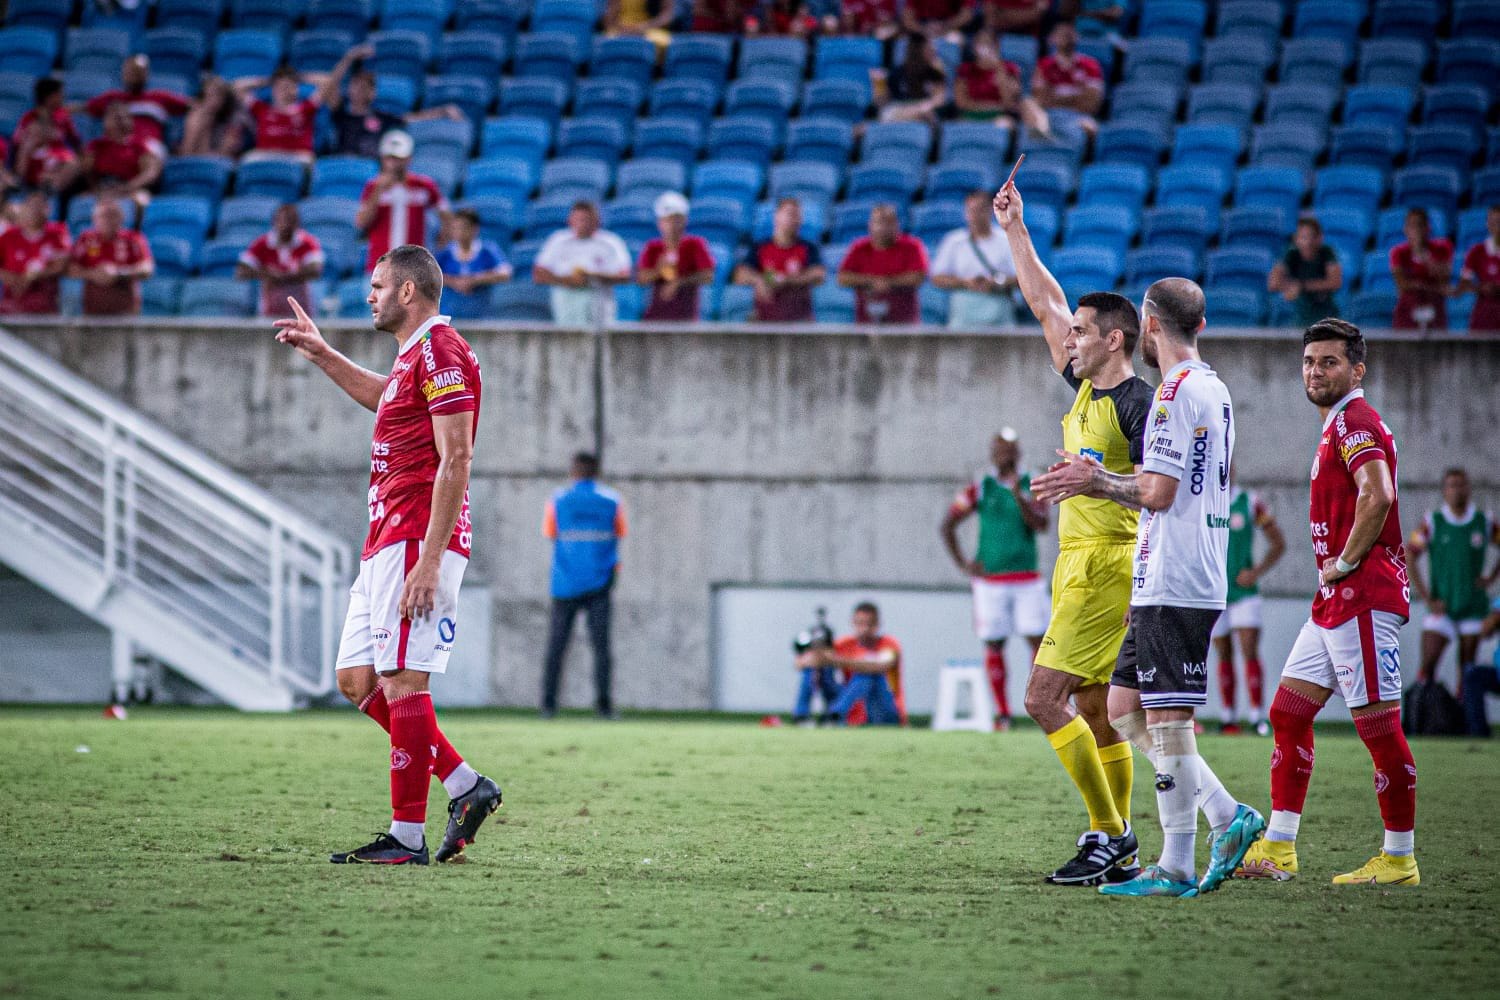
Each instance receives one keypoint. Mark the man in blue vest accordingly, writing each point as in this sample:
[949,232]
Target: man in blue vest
[585,522]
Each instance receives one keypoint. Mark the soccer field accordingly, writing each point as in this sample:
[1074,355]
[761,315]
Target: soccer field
[184,855]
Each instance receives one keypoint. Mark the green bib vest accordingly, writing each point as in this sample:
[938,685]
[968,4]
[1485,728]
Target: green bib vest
[1455,559]
[1241,554]
[1006,544]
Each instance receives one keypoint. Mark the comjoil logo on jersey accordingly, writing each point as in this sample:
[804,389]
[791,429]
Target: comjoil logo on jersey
[1200,460]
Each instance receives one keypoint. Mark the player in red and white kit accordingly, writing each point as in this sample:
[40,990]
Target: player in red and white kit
[393,205]
[1351,643]
[403,608]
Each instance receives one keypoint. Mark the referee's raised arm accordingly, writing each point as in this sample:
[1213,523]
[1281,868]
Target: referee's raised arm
[1043,294]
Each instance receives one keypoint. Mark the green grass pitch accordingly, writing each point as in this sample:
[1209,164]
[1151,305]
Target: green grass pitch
[184,855]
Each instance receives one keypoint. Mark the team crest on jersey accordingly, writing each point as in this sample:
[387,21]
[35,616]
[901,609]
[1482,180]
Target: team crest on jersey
[1161,416]
[391,388]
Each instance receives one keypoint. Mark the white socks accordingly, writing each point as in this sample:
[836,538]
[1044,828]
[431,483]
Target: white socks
[1177,779]
[463,779]
[410,834]
[1217,804]
[1402,843]
[1283,826]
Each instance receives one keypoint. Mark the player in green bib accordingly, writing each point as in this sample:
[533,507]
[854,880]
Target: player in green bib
[1010,597]
[1242,613]
[1456,539]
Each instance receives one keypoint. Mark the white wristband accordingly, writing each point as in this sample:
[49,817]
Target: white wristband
[1344,567]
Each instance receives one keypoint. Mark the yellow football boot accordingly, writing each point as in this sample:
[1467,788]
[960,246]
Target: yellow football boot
[1383,869]
[1273,859]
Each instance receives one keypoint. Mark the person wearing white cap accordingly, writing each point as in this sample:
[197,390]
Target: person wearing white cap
[674,265]
[582,263]
[393,206]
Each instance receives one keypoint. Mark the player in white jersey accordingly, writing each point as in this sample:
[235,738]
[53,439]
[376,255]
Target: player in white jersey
[1178,590]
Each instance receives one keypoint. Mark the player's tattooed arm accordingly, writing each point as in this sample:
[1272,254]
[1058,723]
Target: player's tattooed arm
[1123,490]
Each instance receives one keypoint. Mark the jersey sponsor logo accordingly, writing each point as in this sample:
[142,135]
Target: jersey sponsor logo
[1215,521]
[1194,670]
[1390,661]
[1165,782]
[1168,391]
[381,636]
[427,359]
[447,628]
[1146,676]
[444,383]
[1355,443]
[1093,453]
[1163,448]
[1200,461]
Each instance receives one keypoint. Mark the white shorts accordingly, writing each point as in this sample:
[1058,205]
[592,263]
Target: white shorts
[375,633]
[1003,608]
[1449,629]
[1244,613]
[1360,658]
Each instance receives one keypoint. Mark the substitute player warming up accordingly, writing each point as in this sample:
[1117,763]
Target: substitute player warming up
[403,608]
[1352,640]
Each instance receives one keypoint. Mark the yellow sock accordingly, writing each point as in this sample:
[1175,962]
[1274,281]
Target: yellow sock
[1119,771]
[1075,747]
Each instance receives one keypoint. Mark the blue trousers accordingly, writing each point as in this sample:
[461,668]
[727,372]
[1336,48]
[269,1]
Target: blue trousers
[875,693]
[818,679]
[1478,682]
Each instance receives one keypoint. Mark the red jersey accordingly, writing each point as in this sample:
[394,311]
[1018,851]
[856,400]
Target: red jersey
[980,81]
[899,305]
[788,304]
[866,15]
[43,159]
[435,373]
[1073,77]
[402,216]
[1354,434]
[887,649]
[149,109]
[265,254]
[22,254]
[938,10]
[66,130]
[288,130]
[120,296]
[1436,266]
[118,159]
[1482,266]
[690,257]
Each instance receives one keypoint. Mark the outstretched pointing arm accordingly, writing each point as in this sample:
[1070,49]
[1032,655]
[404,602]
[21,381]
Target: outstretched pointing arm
[362,385]
[1042,292]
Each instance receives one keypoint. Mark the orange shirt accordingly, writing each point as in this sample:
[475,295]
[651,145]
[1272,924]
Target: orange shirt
[886,649]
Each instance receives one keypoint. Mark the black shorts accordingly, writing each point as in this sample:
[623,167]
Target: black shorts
[1165,655]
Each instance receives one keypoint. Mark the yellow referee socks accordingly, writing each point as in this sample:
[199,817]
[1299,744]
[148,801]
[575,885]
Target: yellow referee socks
[1119,771]
[1075,747]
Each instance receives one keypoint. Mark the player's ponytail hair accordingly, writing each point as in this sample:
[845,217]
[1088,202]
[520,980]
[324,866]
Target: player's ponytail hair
[1341,330]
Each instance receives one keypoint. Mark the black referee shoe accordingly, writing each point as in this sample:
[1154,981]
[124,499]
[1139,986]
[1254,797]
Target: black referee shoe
[465,814]
[1098,853]
[383,850]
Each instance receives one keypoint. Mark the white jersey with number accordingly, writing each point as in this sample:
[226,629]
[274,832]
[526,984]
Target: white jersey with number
[1180,551]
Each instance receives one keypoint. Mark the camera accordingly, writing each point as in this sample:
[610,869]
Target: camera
[818,636]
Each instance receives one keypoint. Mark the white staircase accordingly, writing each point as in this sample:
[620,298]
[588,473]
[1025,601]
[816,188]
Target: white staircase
[183,559]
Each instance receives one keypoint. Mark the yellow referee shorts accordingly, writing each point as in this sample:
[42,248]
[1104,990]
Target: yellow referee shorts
[1090,595]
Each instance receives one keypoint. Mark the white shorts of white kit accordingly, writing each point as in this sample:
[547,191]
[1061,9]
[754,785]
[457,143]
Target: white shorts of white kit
[374,631]
[1360,659]
[1450,629]
[1244,613]
[1003,608]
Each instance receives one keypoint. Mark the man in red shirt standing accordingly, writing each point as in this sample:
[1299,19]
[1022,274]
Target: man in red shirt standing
[783,270]
[112,261]
[1421,267]
[403,608]
[149,109]
[885,269]
[121,161]
[33,255]
[1481,275]
[393,206]
[1352,641]
[1069,81]
[674,265]
[286,125]
[283,260]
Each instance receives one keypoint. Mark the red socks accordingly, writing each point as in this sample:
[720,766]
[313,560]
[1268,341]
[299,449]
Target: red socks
[1292,760]
[1395,770]
[377,708]
[414,736]
[994,665]
[1254,683]
[1226,688]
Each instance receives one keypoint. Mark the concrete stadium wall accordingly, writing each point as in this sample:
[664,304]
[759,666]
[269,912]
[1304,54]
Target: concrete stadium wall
[745,456]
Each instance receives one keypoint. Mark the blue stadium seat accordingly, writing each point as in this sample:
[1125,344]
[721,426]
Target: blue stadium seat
[547,55]
[814,220]
[851,220]
[1185,19]
[1116,183]
[52,15]
[832,303]
[699,57]
[1194,185]
[342,15]
[1152,263]
[1458,106]
[472,53]
[27,50]
[1086,269]
[1366,145]
[1347,225]
[911,138]
[614,98]
[1235,306]
[772,58]
[175,52]
[1473,226]
[1145,103]
[1358,187]
[1208,145]
[1066,145]
[752,140]
[1329,19]
[1131,144]
[1429,187]
[1241,58]
[546,215]
[695,99]
[983,140]
[1298,145]
[279,179]
[1184,225]
[593,138]
[806,181]
[216,296]
[270,15]
[159,295]
[521,301]
[1020,49]
[499,217]
[1265,227]
[1375,272]
[473,95]
[1239,267]
[954,182]
[533,98]
[931,221]
[501,176]
[184,216]
[200,176]
[95,50]
[517,135]
[718,220]
[496,17]
[315,50]
[736,303]
[1385,106]
[768,99]
[844,100]
[1279,187]
[175,257]
[679,139]
[1260,18]
[351,294]
[1373,308]
[1405,19]
[738,181]
[326,211]
[444,168]
[246,52]
[884,183]
[846,58]
[1474,61]
[819,140]
[1300,105]
[1101,225]
[575,177]
[632,221]
[1486,187]
[649,177]
[1442,146]
[625,58]
[218,257]
[1392,62]
[905,159]
[395,95]
[342,176]
[84,85]
[420,16]
[1101,50]
[1047,183]
[244,218]
[343,250]
[1043,223]
[933,303]
[1318,62]
[1223,104]
[1163,61]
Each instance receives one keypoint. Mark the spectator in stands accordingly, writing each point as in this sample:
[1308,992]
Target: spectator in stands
[988,89]
[875,18]
[218,122]
[950,19]
[394,203]
[47,102]
[1481,275]
[1309,274]
[914,90]
[149,109]
[872,663]
[1421,267]
[471,265]
[8,180]
[44,159]
[782,17]
[357,123]
[885,270]
[33,255]
[1015,17]
[1069,81]
[283,260]
[121,160]
[674,265]
[286,125]
[112,261]
[582,263]
[1102,18]
[974,264]
[783,270]
[724,17]
[651,19]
